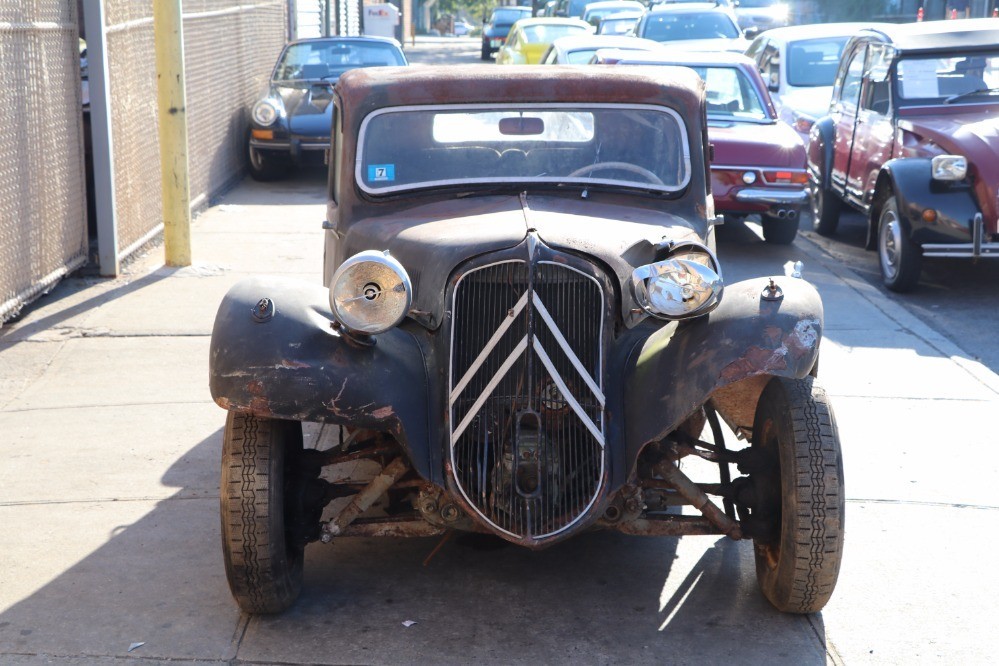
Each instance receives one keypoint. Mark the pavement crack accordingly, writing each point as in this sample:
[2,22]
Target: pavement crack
[942,505]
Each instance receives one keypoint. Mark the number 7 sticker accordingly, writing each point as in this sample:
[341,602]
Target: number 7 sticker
[381,172]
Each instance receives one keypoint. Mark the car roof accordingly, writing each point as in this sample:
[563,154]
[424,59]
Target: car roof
[573,42]
[793,33]
[603,4]
[624,14]
[939,35]
[337,40]
[676,56]
[551,20]
[368,89]
[688,8]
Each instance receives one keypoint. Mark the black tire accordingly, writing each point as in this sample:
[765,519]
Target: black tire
[780,231]
[900,259]
[486,51]
[266,165]
[826,208]
[263,568]
[798,563]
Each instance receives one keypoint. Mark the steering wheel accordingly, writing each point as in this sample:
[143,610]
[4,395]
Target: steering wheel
[620,166]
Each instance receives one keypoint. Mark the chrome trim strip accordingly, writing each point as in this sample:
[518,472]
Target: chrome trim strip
[493,341]
[564,344]
[576,407]
[490,387]
[761,195]
[279,145]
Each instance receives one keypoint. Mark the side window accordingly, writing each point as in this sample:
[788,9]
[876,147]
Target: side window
[511,41]
[849,87]
[756,48]
[771,66]
[877,93]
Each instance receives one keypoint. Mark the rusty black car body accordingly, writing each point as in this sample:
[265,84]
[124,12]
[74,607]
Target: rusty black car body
[522,330]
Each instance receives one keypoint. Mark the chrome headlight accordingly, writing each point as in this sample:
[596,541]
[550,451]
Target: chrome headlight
[265,112]
[949,167]
[370,293]
[686,284]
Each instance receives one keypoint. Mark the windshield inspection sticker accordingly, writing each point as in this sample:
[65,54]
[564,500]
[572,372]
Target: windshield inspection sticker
[381,172]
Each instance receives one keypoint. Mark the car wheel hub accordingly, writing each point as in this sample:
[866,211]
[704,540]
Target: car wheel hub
[891,243]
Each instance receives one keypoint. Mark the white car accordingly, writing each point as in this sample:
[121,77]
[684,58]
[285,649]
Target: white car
[595,11]
[695,26]
[798,64]
[579,49]
[760,15]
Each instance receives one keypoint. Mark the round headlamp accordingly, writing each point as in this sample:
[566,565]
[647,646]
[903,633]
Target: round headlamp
[265,112]
[949,167]
[688,283]
[370,293]
[749,177]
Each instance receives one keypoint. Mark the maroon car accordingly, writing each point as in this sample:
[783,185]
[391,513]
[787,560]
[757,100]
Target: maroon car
[759,161]
[911,140]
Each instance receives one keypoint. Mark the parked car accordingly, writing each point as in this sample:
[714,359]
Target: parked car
[799,64]
[290,123]
[571,8]
[513,336]
[497,28]
[463,28]
[759,162]
[579,49]
[911,141]
[530,38]
[619,24]
[595,11]
[693,27]
[760,15]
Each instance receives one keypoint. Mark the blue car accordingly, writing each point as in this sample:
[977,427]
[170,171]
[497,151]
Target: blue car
[291,122]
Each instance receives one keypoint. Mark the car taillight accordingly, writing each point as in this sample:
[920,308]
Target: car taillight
[786,177]
[803,124]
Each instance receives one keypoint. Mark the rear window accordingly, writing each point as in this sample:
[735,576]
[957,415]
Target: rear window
[700,25]
[813,62]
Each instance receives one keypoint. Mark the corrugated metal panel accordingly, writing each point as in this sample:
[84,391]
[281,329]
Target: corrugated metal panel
[42,191]
[309,18]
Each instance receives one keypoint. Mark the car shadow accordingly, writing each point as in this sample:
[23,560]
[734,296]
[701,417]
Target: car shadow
[600,597]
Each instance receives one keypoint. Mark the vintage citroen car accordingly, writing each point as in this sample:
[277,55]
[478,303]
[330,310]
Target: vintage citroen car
[911,140]
[523,330]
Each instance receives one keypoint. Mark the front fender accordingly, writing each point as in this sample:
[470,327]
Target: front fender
[821,139]
[680,367]
[915,191]
[294,365]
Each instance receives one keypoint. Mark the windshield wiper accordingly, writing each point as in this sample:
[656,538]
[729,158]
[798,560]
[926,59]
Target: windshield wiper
[978,91]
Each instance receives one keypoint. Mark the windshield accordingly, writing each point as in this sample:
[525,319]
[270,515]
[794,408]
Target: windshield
[700,25]
[616,145]
[328,60]
[508,16]
[730,94]
[613,25]
[548,33]
[938,79]
[813,62]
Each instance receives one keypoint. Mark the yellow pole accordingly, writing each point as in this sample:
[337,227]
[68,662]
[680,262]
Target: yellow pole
[169,44]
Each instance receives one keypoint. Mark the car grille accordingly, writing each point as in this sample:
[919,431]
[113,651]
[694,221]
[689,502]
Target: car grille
[526,395]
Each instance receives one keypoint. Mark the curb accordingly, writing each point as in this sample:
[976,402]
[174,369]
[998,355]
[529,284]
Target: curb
[906,321]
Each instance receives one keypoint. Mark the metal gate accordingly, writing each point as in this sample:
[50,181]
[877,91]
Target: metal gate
[43,229]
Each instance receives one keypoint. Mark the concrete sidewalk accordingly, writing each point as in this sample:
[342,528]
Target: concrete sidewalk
[110,447]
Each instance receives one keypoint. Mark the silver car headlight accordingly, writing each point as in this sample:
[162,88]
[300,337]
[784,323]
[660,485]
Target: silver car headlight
[265,112]
[949,167]
[688,283]
[370,293]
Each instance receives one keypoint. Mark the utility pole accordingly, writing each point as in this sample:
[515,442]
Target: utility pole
[168,29]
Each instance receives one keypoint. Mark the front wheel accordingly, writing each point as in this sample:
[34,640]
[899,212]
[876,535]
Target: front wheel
[486,51]
[262,564]
[266,165]
[779,230]
[898,256]
[801,483]
[825,209]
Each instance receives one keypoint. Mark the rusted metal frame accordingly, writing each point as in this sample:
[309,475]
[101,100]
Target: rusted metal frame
[363,500]
[724,473]
[668,526]
[334,458]
[670,473]
[394,526]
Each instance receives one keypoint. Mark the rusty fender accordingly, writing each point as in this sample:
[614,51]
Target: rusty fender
[679,367]
[282,359]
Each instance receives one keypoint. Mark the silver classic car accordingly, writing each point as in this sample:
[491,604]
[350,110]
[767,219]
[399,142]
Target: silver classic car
[523,330]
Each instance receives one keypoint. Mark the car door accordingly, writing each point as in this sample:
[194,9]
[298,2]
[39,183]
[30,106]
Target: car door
[874,134]
[844,109]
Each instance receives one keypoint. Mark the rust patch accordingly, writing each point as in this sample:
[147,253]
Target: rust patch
[383,412]
[290,364]
[756,360]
